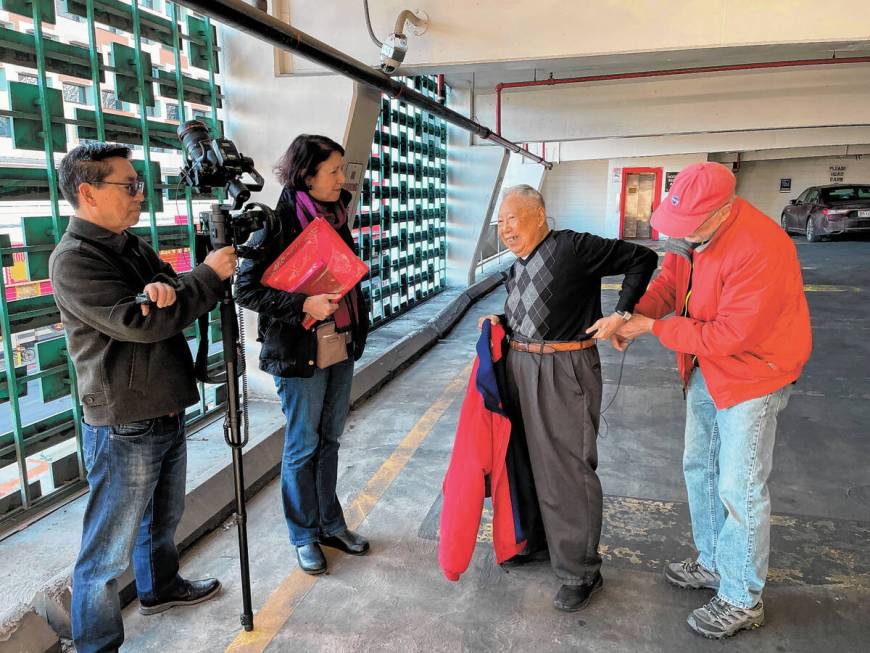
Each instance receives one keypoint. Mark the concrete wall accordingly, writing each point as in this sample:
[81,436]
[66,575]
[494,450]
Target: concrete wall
[575,192]
[473,174]
[463,33]
[721,102]
[758,181]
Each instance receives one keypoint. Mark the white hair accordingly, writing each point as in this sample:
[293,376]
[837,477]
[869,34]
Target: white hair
[524,190]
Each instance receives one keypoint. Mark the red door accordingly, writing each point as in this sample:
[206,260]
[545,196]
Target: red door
[640,195]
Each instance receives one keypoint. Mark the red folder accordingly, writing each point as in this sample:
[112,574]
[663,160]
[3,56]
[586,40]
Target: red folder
[317,262]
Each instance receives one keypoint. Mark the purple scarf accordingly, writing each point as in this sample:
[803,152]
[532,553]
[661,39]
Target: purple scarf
[336,215]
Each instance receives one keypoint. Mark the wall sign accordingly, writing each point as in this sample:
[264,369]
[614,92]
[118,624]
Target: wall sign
[785,185]
[669,179]
[838,174]
[617,175]
[352,176]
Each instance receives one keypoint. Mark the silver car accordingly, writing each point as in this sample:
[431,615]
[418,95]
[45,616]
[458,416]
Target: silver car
[822,211]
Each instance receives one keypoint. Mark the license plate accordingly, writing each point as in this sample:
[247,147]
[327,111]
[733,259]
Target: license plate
[864,214]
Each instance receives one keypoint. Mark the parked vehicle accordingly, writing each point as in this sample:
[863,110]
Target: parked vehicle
[823,211]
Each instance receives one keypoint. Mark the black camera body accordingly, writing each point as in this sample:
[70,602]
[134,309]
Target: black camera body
[214,163]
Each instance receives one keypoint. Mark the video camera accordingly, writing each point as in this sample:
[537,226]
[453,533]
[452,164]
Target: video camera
[218,163]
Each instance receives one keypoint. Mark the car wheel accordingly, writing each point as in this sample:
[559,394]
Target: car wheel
[784,221]
[812,236]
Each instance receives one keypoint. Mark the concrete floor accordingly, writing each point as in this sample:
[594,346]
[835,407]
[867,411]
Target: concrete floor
[396,599]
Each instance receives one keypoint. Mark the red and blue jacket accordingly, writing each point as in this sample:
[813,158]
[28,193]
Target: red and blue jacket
[481,452]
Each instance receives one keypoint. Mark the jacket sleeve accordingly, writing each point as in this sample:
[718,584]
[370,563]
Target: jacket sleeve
[252,294]
[604,257]
[660,297]
[463,488]
[749,299]
[90,288]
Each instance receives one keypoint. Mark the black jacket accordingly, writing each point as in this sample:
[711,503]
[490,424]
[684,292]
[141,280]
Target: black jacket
[289,350]
[129,367]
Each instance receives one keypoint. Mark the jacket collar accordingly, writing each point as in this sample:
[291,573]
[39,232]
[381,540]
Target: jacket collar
[86,229]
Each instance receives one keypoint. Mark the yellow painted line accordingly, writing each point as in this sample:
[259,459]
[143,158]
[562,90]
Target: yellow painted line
[279,607]
[810,287]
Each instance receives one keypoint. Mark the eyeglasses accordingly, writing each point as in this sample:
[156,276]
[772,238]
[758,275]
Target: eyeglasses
[133,187]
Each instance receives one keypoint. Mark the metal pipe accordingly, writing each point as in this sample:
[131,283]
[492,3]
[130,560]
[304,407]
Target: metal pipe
[409,16]
[268,28]
[792,63]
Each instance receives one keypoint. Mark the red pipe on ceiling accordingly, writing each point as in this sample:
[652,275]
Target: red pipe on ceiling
[663,73]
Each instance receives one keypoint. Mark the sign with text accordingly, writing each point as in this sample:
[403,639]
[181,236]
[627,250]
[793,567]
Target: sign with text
[669,179]
[838,174]
[785,185]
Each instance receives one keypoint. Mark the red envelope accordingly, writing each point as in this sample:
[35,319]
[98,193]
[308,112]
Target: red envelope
[317,262]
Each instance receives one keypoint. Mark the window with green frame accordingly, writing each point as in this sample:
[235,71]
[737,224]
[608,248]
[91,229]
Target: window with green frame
[40,453]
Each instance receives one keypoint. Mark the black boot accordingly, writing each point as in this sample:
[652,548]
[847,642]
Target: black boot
[571,598]
[347,541]
[190,592]
[311,559]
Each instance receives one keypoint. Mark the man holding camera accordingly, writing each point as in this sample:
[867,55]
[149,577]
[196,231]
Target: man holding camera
[135,378]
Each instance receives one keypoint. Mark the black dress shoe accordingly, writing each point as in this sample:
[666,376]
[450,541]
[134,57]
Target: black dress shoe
[190,592]
[347,541]
[525,557]
[311,559]
[571,598]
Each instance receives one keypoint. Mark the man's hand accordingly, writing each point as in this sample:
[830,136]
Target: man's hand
[493,319]
[619,343]
[222,261]
[321,307]
[636,326]
[606,326]
[160,294]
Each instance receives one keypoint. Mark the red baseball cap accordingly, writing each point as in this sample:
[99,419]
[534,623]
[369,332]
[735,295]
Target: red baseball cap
[697,191]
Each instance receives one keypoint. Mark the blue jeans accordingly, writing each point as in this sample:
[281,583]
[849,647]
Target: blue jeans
[136,474]
[316,410]
[726,463]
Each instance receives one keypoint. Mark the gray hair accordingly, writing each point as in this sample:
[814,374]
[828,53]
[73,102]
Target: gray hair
[524,190]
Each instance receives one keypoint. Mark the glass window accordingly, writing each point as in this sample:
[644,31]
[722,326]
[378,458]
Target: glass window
[5,126]
[812,196]
[171,111]
[110,100]
[846,194]
[74,93]
[27,78]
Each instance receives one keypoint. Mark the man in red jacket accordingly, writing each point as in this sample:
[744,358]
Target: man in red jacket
[741,330]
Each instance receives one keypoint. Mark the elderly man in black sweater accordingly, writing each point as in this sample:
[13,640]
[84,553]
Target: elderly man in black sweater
[553,316]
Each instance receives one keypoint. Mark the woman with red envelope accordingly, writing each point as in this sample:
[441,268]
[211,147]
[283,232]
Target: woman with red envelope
[315,397]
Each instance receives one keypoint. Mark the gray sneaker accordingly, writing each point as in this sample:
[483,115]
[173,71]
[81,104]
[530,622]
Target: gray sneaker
[690,574]
[720,619]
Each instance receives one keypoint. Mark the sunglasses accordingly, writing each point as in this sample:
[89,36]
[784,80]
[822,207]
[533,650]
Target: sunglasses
[133,187]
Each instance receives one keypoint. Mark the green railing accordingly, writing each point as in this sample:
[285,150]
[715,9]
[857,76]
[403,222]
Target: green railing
[86,69]
[402,217]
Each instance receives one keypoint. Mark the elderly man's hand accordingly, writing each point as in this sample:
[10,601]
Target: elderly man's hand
[493,319]
[160,294]
[636,326]
[606,326]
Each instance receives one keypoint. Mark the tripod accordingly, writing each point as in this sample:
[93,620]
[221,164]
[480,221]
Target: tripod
[236,440]
[218,223]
